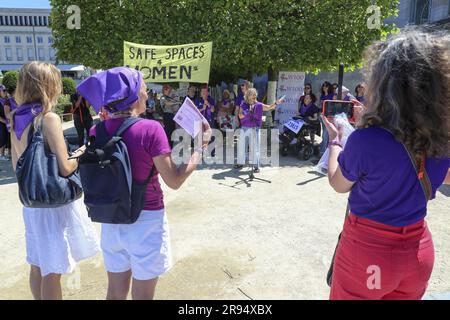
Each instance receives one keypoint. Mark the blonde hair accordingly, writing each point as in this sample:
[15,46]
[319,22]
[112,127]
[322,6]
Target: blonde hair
[250,92]
[39,82]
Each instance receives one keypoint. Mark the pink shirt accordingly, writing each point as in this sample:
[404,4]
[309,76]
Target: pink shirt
[145,140]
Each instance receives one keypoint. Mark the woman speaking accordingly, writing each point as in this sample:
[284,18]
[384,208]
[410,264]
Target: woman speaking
[250,114]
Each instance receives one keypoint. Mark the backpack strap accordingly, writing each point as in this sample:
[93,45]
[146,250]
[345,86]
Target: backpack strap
[421,172]
[150,175]
[127,124]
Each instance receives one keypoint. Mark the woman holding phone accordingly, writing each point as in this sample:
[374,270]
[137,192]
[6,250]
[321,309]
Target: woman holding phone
[392,166]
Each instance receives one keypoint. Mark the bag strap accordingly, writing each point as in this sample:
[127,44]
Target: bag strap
[421,172]
[126,124]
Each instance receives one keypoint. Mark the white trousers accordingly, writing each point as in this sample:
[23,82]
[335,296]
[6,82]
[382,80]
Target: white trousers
[249,136]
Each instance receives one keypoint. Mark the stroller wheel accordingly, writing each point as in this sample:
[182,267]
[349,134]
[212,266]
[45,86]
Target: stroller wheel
[307,152]
[284,151]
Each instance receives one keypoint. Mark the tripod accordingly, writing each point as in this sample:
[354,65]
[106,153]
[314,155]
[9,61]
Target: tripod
[251,177]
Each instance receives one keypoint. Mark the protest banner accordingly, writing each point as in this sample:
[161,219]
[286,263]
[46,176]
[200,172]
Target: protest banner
[180,63]
[290,85]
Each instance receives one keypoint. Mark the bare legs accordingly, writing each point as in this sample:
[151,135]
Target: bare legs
[119,286]
[45,288]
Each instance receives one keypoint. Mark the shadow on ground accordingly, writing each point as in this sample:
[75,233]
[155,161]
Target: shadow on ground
[445,190]
[7,175]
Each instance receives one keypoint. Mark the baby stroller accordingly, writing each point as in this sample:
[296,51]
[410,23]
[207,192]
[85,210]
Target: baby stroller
[301,144]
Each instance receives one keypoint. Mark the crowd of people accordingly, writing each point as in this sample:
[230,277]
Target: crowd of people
[390,168]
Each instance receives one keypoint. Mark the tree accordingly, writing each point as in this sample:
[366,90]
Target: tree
[10,80]
[69,86]
[248,35]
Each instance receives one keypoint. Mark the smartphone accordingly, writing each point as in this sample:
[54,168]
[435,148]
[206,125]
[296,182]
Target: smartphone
[330,108]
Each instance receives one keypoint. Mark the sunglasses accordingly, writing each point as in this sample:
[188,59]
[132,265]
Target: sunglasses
[307,88]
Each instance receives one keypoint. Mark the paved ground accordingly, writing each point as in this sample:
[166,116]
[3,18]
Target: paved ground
[264,241]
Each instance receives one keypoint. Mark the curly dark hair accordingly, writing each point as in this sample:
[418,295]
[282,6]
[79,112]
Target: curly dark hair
[408,90]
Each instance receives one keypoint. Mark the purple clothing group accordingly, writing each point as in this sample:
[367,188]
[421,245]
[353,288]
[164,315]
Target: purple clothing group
[386,187]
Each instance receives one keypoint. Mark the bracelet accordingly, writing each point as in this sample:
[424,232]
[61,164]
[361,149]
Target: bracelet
[335,143]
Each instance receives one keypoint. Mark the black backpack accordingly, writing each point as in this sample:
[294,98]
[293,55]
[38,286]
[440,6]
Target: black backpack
[110,193]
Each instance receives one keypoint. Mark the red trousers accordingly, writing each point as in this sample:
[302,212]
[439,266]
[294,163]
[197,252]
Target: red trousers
[378,262]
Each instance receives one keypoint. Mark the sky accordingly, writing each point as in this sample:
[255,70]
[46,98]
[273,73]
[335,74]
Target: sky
[45,4]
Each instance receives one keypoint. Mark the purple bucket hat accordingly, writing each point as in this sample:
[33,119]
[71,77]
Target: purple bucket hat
[115,89]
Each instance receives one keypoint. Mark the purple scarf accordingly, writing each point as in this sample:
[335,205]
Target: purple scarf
[25,115]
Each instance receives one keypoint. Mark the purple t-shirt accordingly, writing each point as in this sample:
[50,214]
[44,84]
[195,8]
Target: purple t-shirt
[252,116]
[308,110]
[361,99]
[145,140]
[239,99]
[330,96]
[386,187]
[199,102]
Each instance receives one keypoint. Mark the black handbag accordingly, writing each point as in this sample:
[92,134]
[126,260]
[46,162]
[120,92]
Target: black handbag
[37,172]
[425,183]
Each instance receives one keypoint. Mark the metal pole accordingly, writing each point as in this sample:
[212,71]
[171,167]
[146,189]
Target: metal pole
[340,81]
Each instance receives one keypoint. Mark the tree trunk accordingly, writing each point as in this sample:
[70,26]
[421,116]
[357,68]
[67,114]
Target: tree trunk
[271,93]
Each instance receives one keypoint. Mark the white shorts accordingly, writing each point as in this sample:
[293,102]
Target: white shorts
[142,247]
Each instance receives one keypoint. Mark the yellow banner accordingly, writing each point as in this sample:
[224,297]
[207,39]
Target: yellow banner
[181,63]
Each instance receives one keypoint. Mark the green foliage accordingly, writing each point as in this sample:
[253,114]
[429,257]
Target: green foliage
[248,35]
[63,105]
[69,86]
[10,80]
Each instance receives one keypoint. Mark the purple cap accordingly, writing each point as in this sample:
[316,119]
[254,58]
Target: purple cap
[115,89]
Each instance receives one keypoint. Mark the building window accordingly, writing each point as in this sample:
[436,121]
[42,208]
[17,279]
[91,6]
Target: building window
[7,39]
[45,21]
[30,53]
[50,40]
[40,40]
[30,19]
[1,20]
[51,54]
[8,53]
[19,54]
[16,20]
[18,40]
[40,21]
[41,54]
[35,21]
[420,11]
[21,20]
[29,39]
